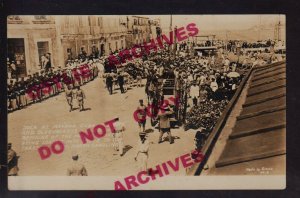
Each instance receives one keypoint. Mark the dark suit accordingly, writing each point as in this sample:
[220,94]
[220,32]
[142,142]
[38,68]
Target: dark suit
[109,84]
[121,83]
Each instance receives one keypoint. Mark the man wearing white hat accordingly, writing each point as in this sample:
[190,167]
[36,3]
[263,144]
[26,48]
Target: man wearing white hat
[142,152]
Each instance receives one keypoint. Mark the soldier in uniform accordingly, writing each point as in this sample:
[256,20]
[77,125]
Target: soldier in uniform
[118,137]
[142,153]
[22,88]
[76,169]
[80,98]
[69,97]
[12,161]
[12,96]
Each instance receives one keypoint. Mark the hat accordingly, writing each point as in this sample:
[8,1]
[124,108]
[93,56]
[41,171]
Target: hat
[75,156]
[142,134]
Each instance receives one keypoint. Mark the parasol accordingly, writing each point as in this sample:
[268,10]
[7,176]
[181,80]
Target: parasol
[233,75]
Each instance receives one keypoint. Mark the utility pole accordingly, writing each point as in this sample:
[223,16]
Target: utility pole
[277,30]
[259,27]
[226,42]
[170,46]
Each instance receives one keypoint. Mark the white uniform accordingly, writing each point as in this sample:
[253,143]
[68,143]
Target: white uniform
[118,137]
[142,157]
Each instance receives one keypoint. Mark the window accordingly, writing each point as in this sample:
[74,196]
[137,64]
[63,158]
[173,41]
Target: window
[117,45]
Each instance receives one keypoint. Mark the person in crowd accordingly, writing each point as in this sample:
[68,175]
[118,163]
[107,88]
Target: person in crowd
[118,137]
[80,96]
[14,72]
[76,168]
[12,97]
[21,100]
[194,93]
[141,115]
[200,138]
[12,161]
[203,94]
[109,83]
[69,97]
[164,123]
[48,64]
[214,87]
[226,64]
[139,79]
[142,152]
[120,79]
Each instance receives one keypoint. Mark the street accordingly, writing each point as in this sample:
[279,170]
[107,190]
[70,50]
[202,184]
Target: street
[43,123]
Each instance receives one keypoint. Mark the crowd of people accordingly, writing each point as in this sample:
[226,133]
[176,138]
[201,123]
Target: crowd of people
[203,84]
[47,83]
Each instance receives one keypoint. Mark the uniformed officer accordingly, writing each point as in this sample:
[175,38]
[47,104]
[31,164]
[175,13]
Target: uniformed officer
[69,97]
[80,98]
[118,137]
[142,153]
[76,168]
[12,161]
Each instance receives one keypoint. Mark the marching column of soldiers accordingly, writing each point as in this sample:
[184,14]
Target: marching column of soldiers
[44,84]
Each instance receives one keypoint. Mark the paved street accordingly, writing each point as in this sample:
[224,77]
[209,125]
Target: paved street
[53,121]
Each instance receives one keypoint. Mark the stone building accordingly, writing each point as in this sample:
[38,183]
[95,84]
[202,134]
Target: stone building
[91,34]
[29,38]
[65,37]
[138,29]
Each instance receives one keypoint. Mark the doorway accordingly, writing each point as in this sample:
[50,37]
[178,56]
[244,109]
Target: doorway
[16,52]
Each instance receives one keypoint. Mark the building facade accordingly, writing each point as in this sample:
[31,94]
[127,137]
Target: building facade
[97,35]
[138,30]
[29,38]
[65,37]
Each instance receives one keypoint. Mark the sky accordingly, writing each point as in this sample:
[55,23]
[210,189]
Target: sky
[220,22]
